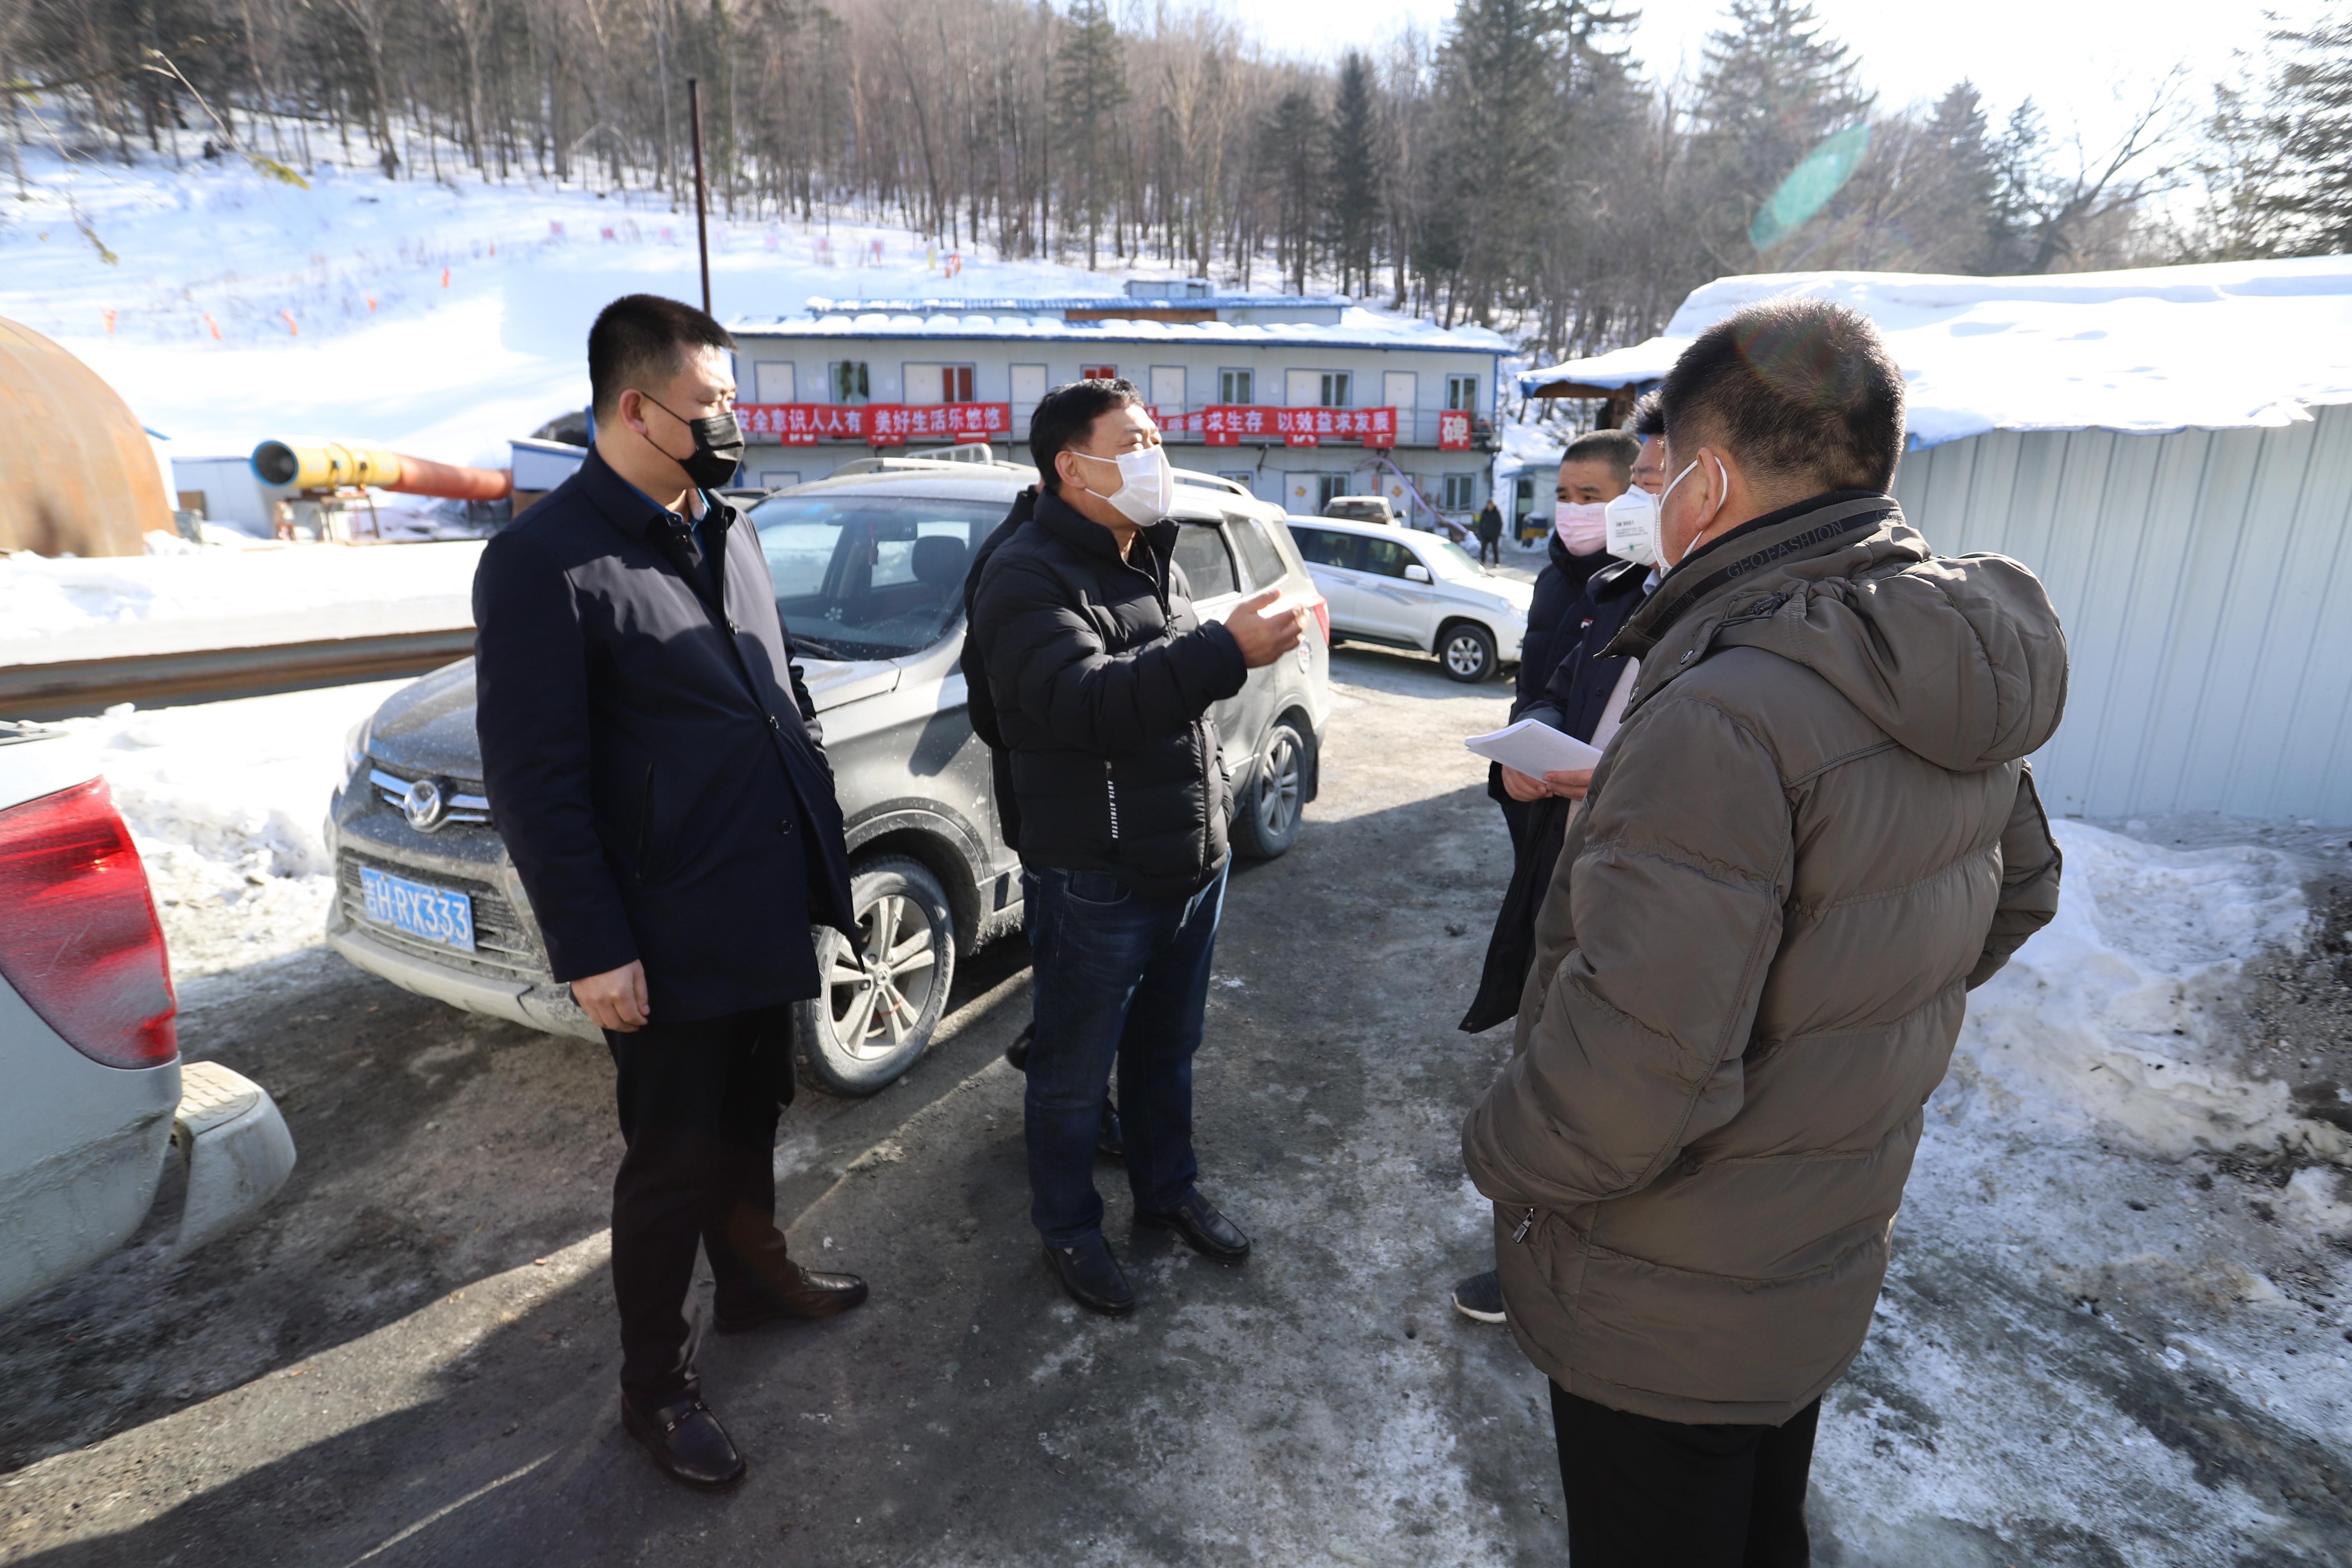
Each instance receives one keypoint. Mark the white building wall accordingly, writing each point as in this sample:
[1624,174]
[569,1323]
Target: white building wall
[2204,579]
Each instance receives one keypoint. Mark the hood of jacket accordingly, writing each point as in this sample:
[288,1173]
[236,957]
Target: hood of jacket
[1959,659]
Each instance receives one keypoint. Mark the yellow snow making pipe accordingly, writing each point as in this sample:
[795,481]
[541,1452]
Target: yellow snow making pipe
[333,465]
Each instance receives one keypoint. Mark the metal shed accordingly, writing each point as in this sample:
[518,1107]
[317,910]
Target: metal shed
[2171,451]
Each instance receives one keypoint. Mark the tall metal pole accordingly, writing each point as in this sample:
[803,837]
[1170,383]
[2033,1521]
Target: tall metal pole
[702,200]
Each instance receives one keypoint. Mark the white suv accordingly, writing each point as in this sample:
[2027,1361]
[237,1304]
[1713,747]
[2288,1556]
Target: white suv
[1407,589]
[93,1091]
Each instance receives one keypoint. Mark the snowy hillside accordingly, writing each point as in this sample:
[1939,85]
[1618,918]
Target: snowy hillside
[440,318]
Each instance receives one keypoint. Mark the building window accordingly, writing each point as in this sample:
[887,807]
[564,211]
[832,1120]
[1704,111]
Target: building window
[1461,491]
[927,385]
[1098,373]
[1237,387]
[1461,393]
[1327,486]
[849,381]
[1336,386]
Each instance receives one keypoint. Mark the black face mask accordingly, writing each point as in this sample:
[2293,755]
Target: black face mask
[718,446]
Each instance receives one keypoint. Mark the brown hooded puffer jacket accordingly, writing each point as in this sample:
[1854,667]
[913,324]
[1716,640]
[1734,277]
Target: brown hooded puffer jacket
[1814,832]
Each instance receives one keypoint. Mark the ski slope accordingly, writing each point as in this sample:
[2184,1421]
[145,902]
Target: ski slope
[441,319]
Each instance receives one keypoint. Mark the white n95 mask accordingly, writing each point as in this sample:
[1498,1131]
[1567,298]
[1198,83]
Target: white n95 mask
[1147,486]
[1635,527]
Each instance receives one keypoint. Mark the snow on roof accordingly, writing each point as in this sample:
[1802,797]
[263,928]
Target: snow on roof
[2222,346]
[1031,304]
[1357,328]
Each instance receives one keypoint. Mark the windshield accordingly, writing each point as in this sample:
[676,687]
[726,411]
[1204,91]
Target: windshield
[870,576]
[1448,559]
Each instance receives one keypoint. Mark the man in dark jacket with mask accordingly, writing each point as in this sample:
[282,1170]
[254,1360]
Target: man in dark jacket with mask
[1099,680]
[654,767]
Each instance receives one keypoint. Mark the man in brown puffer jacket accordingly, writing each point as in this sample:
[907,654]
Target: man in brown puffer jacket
[1813,834]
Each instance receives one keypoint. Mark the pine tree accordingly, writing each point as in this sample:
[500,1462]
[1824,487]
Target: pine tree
[2310,124]
[1772,90]
[1090,89]
[1354,203]
[1295,138]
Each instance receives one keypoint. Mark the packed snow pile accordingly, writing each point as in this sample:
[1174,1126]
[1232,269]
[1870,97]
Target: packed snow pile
[205,597]
[2224,345]
[2114,1020]
[227,803]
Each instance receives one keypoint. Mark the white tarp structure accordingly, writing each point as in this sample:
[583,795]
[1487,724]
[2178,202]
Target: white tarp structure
[2227,346]
[2171,450]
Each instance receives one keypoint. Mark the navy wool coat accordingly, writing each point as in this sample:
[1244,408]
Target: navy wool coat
[652,762]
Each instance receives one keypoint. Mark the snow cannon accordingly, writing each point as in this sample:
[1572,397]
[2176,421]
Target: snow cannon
[342,465]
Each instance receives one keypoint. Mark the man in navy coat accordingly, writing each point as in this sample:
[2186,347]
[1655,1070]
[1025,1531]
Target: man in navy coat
[657,772]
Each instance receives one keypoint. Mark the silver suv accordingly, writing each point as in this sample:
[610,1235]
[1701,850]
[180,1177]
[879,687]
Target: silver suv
[869,571]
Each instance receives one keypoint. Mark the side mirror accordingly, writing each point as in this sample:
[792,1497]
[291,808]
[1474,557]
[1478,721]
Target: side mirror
[1416,573]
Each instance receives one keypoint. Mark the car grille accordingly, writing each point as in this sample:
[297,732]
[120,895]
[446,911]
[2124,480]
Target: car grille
[502,944]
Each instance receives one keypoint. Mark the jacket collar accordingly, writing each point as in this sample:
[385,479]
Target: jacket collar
[629,509]
[1083,533]
[1617,578]
[1812,527]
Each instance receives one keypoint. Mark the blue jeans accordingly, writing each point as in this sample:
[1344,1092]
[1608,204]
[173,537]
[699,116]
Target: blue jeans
[1118,979]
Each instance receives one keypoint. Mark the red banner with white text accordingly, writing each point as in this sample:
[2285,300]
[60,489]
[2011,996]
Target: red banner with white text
[1453,430]
[877,424]
[1229,424]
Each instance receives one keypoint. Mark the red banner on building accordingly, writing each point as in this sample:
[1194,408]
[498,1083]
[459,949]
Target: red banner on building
[1453,430]
[879,423]
[1228,424]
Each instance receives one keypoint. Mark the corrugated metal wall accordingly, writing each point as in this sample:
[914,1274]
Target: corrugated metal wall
[2205,581]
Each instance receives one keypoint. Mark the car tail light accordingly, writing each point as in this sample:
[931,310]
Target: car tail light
[1322,608]
[78,938]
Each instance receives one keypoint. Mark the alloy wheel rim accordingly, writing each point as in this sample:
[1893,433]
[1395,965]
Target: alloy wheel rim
[1464,656]
[868,983]
[1277,798]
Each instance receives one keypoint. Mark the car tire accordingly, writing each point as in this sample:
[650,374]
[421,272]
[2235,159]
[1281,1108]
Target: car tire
[877,1014]
[1465,651]
[1268,814]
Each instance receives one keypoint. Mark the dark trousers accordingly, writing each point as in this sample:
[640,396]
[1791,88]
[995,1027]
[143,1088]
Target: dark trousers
[698,1106]
[1118,979]
[1491,547]
[1644,1493]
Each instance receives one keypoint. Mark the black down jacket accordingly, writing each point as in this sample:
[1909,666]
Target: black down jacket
[1100,677]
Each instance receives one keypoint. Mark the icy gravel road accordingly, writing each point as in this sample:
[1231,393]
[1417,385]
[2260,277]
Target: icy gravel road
[2089,1353]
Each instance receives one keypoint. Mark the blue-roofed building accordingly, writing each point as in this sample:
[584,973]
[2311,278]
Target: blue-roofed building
[1299,397]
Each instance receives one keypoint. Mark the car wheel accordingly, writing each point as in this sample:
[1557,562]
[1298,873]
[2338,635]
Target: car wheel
[883,993]
[1276,803]
[1467,652]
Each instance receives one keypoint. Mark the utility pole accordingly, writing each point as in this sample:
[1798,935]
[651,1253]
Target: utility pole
[701,200]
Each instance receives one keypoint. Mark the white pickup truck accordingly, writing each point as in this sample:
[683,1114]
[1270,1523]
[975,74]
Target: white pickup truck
[93,1095]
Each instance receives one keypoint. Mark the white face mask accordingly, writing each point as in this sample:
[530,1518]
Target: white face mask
[1147,485]
[1633,526]
[1723,480]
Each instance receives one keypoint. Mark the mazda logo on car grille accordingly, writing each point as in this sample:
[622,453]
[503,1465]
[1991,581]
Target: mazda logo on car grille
[423,804]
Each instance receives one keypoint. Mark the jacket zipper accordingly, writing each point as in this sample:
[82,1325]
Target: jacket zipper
[1526,1225]
[1110,789]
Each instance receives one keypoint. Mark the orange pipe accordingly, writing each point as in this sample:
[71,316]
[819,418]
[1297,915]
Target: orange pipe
[423,476]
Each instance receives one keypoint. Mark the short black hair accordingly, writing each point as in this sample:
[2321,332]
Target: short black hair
[1795,389]
[642,338]
[1065,415]
[1618,448]
[1648,420]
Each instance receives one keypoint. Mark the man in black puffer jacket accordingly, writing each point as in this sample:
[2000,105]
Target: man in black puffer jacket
[1098,678]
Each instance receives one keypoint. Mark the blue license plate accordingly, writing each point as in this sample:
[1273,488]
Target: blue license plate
[429,914]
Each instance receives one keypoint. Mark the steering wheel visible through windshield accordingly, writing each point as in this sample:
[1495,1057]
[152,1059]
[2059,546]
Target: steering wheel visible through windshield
[870,576]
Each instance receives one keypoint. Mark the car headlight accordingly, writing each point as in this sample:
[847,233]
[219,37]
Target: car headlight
[355,745]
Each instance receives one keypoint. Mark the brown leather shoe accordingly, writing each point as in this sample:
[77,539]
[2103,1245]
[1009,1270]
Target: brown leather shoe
[809,1294]
[687,1442]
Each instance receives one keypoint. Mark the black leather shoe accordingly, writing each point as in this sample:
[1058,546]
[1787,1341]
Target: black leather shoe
[687,1442]
[1202,1228]
[1092,1277]
[812,1295]
[1110,1143]
[1017,1053]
